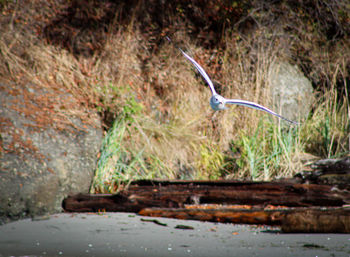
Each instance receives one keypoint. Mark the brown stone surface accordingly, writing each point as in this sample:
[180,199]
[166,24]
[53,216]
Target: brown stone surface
[47,150]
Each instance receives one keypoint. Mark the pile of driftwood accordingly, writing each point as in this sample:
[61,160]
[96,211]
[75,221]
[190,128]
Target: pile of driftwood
[297,205]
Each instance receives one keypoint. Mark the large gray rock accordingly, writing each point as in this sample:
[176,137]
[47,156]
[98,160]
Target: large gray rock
[47,149]
[291,91]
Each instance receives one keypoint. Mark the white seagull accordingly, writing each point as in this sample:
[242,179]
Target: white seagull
[217,102]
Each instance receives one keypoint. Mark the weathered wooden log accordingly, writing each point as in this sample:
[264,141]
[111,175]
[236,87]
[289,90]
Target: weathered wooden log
[106,202]
[291,220]
[332,166]
[257,216]
[325,220]
[328,172]
[175,194]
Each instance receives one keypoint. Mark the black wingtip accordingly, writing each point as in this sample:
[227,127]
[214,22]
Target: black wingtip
[171,42]
[291,121]
[168,38]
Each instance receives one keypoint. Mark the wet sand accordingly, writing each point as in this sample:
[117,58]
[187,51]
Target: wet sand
[125,234]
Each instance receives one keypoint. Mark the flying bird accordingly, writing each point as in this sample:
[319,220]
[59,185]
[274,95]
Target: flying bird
[218,102]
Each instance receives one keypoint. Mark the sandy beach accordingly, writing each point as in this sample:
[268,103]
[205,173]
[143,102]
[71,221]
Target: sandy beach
[127,234]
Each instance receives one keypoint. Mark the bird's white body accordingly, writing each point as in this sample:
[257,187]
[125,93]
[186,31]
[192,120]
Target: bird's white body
[218,102]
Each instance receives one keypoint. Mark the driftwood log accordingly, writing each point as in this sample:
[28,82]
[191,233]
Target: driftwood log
[314,201]
[328,172]
[319,220]
[295,207]
[291,220]
[221,214]
[176,194]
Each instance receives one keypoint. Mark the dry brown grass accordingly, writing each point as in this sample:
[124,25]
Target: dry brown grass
[175,129]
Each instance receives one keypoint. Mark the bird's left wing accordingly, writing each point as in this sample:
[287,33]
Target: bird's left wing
[256,106]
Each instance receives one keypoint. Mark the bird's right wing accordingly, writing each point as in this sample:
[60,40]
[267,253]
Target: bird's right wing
[199,68]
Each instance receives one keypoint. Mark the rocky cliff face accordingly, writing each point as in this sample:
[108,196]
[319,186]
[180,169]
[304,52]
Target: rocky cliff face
[291,91]
[47,151]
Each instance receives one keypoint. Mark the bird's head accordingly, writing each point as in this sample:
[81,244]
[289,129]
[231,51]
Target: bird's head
[217,102]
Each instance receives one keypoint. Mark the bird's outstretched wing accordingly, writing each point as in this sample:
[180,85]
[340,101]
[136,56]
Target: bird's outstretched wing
[256,106]
[199,68]
[229,101]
